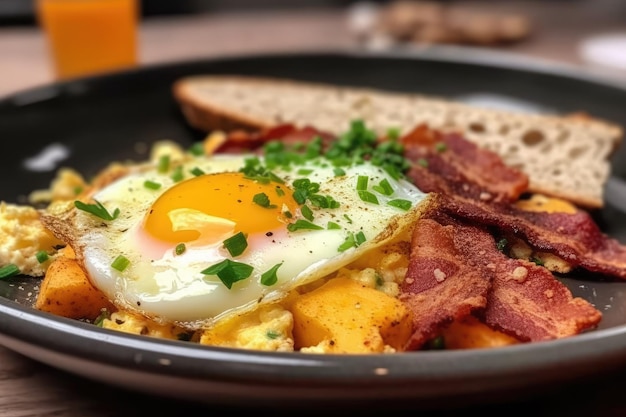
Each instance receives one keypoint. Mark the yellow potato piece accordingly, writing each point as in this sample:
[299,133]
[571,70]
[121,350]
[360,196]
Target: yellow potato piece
[472,334]
[66,291]
[348,317]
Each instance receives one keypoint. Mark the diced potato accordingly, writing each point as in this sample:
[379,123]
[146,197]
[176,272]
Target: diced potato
[349,317]
[472,334]
[66,291]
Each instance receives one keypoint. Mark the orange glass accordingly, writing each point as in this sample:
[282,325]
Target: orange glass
[90,36]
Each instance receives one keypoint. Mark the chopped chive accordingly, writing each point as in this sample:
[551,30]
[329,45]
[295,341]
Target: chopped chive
[151,185]
[42,256]
[229,271]
[303,171]
[361,182]
[400,203]
[263,200]
[272,334]
[368,197]
[332,226]
[288,214]
[104,315]
[279,191]
[359,238]
[339,172]
[177,174]
[197,149]
[196,171]
[163,164]
[345,216]
[120,263]
[97,210]
[9,271]
[269,277]
[383,187]
[393,133]
[180,249]
[303,225]
[307,212]
[236,244]
[348,243]
[441,147]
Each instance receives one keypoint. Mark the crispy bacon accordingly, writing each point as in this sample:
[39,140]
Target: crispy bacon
[457,166]
[527,302]
[576,238]
[444,281]
[246,141]
[456,270]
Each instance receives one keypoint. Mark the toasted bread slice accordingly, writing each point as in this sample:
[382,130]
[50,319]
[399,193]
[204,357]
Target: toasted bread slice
[565,157]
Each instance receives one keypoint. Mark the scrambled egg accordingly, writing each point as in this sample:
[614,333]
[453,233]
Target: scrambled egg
[22,236]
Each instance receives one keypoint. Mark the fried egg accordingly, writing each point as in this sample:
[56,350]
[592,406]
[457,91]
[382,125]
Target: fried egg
[203,241]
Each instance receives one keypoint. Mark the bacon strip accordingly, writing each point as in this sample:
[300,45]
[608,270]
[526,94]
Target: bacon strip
[458,166]
[527,302]
[575,238]
[246,141]
[444,282]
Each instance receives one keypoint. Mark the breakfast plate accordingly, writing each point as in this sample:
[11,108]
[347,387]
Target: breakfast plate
[87,123]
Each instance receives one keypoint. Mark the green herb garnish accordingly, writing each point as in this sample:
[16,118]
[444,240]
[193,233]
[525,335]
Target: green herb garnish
[236,244]
[368,197]
[120,263]
[195,171]
[164,164]
[332,226]
[177,174]
[263,200]
[197,149]
[307,212]
[400,203]
[269,277]
[42,256]
[229,271]
[303,225]
[180,249]
[383,187]
[151,185]
[97,210]
[9,271]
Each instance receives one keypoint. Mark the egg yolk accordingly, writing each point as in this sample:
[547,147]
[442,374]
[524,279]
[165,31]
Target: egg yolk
[218,204]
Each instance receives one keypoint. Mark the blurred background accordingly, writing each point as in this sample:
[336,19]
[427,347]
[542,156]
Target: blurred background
[585,33]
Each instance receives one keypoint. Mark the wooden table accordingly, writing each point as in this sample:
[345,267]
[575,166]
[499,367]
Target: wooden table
[28,388]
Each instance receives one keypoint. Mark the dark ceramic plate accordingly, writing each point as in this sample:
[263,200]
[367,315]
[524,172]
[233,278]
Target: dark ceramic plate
[87,123]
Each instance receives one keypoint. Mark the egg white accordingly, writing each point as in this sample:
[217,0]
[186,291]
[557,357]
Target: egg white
[163,285]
